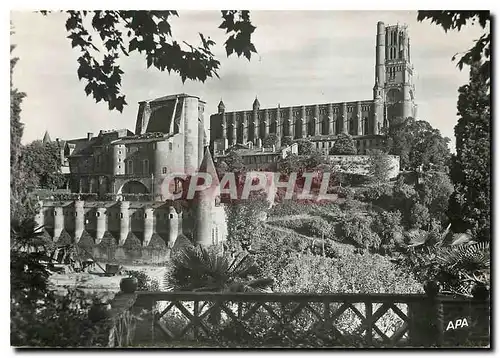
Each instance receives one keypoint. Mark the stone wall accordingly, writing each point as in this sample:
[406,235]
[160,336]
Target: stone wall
[360,164]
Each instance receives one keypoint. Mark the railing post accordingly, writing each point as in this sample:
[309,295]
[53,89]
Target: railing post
[481,304]
[196,312]
[435,314]
[153,322]
[437,322]
[369,323]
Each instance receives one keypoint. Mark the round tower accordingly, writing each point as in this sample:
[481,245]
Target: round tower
[124,221]
[380,55]
[255,118]
[173,226]
[148,225]
[40,217]
[79,219]
[101,224]
[204,202]
[58,222]
[304,121]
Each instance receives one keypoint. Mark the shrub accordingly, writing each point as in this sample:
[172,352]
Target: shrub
[345,193]
[318,227]
[419,216]
[356,230]
[387,225]
[144,282]
[58,321]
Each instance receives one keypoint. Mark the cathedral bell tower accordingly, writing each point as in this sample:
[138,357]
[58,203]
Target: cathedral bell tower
[394,89]
[399,86]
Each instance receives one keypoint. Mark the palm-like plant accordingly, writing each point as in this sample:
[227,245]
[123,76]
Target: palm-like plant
[208,270]
[456,260]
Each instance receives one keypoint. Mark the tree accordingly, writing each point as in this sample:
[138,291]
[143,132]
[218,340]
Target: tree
[456,20]
[243,220]
[379,166]
[20,205]
[305,147]
[344,145]
[417,144]
[234,162]
[292,163]
[419,216]
[270,140]
[286,141]
[470,206]
[435,190]
[42,161]
[122,33]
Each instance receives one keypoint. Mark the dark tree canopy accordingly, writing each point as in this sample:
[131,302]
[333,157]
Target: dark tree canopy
[305,147]
[19,206]
[470,206]
[418,144]
[120,33]
[455,20]
[43,162]
[344,145]
[270,140]
[234,162]
[286,141]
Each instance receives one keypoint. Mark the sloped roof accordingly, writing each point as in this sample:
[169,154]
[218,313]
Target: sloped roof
[207,166]
[46,137]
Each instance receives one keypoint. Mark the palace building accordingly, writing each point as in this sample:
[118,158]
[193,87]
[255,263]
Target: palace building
[365,120]
[128,176]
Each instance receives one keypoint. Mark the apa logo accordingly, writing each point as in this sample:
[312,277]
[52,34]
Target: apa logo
[459,323]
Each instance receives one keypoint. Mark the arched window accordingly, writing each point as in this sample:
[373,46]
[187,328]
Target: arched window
[145,166]
[130,167]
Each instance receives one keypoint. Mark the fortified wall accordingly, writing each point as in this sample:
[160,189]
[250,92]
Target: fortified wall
[124,231]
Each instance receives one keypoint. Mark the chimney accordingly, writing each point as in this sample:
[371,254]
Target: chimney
[90,135]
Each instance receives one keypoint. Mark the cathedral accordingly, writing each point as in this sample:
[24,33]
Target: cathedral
[364,120]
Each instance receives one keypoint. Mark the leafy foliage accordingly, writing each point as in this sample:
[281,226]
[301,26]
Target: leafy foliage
[458,265]
[39,316]
[418,144]
[144,282]
[305,147]
[344,145]
[434,191]
[234,162]
[470,206]
[244,221]
[20,204]
[379,166]
[149,33]
[43,162]
[286,141]
[270,140]
[356,229]
[451,20]
[202,269]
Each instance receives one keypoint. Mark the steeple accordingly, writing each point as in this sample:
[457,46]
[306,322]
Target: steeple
[221,107]
[256,104]
[204,203]
[46,138]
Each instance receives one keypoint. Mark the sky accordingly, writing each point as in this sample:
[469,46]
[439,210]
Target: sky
[304,57]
